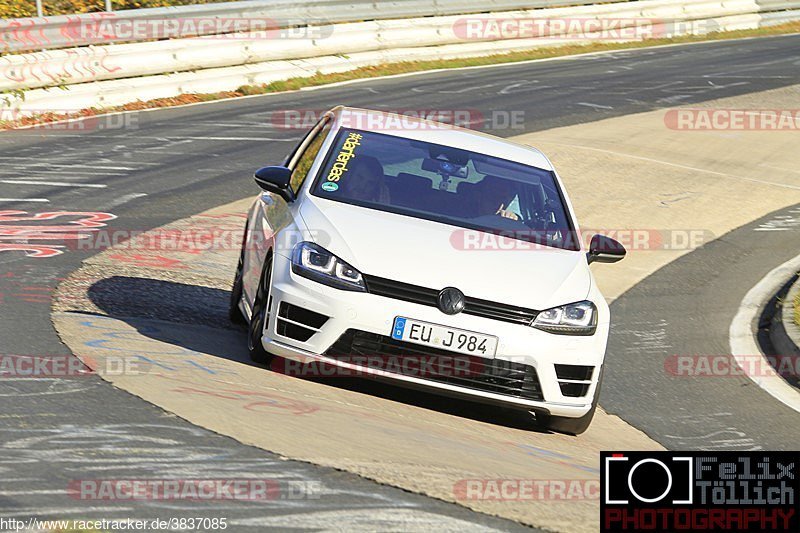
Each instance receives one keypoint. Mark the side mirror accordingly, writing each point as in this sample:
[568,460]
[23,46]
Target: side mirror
[604,249]
[275,180]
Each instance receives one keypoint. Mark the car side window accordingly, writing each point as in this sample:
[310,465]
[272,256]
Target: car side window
[303,164]
[299,146]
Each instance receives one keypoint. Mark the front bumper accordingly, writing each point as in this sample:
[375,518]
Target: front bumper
[374,314]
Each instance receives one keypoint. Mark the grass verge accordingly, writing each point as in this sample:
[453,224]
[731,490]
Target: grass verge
[797,309]
[388,69]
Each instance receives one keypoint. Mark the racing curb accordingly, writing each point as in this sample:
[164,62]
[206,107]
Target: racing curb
[783,332]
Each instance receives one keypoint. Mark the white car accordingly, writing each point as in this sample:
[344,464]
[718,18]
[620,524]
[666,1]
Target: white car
[431,255]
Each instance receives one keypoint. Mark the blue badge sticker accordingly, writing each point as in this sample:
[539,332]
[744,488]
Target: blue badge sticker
[399,326]
[330,186]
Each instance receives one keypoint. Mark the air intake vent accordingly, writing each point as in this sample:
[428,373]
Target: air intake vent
[298,323]
[574,380]
[575,372]
[573,390]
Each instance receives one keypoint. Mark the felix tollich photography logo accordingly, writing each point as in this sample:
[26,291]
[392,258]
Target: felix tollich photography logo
[698,491]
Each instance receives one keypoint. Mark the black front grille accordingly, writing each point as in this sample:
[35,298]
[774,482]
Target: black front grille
[425,296]
[401,291]
[488,375]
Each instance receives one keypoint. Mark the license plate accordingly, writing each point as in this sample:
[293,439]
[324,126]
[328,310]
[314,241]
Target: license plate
[444,337]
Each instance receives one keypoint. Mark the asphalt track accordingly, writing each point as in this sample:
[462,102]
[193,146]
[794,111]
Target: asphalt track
[189,159]
[686,308]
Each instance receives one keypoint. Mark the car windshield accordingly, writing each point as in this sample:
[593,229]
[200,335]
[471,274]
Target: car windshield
[447,185]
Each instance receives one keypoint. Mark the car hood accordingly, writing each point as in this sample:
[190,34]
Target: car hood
[429,254]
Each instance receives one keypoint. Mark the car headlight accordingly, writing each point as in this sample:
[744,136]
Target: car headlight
[315,262]
[579,318]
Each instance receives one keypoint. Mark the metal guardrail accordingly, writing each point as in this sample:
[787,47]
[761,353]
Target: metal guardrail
[64,31]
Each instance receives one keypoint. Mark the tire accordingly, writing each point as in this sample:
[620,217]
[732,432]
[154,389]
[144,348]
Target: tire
[574,426]
[234,313]
[260,317]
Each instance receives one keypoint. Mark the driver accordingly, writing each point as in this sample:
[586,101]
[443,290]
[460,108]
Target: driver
[364,180]
[494,196]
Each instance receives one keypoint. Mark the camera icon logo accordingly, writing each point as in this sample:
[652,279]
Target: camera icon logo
[648,480]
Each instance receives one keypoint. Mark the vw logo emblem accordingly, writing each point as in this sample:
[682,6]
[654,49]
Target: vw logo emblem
[450,301]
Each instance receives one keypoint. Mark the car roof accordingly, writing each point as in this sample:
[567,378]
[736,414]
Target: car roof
[439,133]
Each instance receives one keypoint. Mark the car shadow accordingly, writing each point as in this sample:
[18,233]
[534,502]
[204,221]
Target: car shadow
[175,305]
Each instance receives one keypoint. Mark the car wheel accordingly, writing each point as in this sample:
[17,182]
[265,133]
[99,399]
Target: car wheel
[234,312]
[260,317]
[573,426]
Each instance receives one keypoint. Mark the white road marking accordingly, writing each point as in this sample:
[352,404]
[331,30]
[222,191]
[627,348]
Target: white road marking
[595,106]
[398,519]
[44,393]
[170,138]
[238,124]
[40,200]
[715,86]
[748,77]
[55,183]
[673,99]
[743,342]
[125,199]
[70,165]
[780,223]
[714,440]
[55,173]
[27,378]
[45,511]
[508,89]
[471,88]
[30,492]
[745,68]
[193,138]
